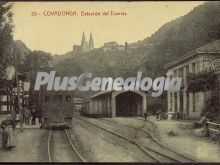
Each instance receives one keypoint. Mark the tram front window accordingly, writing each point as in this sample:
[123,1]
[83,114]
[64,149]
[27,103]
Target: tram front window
[47,98]
[60,98]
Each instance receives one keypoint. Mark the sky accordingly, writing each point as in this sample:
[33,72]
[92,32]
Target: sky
[58,34]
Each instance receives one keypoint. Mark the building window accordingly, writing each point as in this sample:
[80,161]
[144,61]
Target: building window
[46,98]
[68,98]
[180,74]
[55,98]
[58,98]
[187,69]
[175,102]
[194,102]
[175,73]
[198,67]
[193,67]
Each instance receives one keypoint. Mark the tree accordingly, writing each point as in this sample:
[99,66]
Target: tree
[36,61]
[6,39]
[206,82]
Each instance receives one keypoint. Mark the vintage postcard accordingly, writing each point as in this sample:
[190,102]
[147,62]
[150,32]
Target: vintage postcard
[111,81]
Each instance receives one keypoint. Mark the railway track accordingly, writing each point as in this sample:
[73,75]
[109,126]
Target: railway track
[159,156]
[60,147]
[170,154]
[149,157]
[89,128]
[149,132]
[152,124]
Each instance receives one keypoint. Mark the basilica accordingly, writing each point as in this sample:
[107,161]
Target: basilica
[85,45]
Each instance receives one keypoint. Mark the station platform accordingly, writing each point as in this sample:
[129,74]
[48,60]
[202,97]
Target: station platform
[30,126]
[37,124]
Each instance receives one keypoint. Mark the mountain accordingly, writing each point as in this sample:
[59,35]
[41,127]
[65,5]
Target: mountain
[174,39]
[197,28]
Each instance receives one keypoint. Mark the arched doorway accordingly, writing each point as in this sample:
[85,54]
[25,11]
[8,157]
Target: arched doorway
[129,104]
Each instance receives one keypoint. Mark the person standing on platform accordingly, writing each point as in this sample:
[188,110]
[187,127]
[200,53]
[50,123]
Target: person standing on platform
[8,137]
[13,114]
[27,114]
[39,116]
[33,121]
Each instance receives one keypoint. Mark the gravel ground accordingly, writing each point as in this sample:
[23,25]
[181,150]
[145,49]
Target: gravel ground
[202,149]
[185,142]
[61,150]
[31,146]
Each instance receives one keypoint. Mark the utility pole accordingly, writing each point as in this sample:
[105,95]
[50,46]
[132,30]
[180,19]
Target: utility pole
[18,92]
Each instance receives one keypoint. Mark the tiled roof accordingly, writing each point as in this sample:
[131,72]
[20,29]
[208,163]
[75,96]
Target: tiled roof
[213,47]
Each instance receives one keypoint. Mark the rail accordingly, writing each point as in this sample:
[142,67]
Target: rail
[69,142]
[156,141]
[119,135]
[48,147]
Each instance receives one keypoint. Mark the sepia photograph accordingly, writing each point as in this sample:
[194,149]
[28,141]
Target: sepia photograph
[110,81]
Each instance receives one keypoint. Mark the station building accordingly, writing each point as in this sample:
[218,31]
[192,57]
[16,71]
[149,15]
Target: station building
[116,104]
[8,97]
[112,46]
[205,58]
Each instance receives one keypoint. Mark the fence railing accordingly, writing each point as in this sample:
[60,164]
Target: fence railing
[212,128]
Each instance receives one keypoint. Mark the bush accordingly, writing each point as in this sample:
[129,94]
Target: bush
[201,82]
[172,133]
[212,109]
[157,104]
[204,82]
[196,125]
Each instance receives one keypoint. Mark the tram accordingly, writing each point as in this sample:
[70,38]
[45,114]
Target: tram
[57,109]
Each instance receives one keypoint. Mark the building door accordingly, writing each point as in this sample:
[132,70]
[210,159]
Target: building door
[187,102]
[59,114]
[127,104]
[181,101]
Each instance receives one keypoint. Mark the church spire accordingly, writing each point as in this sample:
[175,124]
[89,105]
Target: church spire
[83,41]
[91,43]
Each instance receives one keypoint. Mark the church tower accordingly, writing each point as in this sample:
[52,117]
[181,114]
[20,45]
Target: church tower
[91,43]
[83,43]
